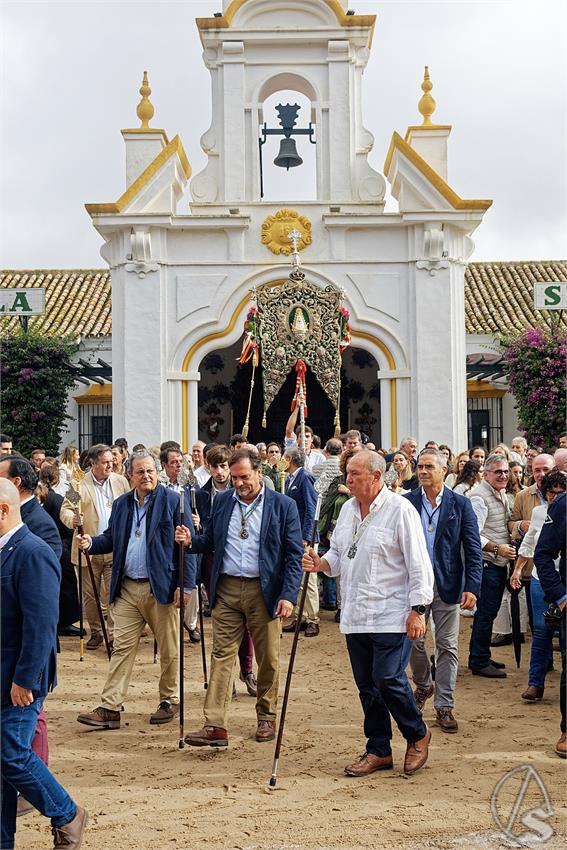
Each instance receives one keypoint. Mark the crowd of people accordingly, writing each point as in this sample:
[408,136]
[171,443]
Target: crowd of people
[388,539]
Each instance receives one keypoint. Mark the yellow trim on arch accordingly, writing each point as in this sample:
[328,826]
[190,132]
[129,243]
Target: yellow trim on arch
[434,178]
[343,19]
[174,147]
[228,329]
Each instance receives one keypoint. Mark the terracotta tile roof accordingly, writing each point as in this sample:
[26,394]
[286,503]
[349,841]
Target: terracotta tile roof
[78,301]
[500,296]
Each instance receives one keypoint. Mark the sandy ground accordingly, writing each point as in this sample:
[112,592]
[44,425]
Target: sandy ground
[143,792]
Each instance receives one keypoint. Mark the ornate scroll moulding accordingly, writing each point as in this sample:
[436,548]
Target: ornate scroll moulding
[276,229]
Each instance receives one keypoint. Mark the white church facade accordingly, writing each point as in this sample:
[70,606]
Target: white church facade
[182,277]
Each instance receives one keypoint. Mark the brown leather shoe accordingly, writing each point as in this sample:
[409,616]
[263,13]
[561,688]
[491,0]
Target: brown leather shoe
[94,641]
[561,746]
[446,720]
[266,731]
[369,763]
[422,695]
[416,753]
[164,713]
[208,736]
[290,627]
[104,718]
[312,630]
[251,684]
[70,836]
[533,693]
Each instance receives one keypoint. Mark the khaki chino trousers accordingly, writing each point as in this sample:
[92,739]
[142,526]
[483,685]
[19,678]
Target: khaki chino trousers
[239,602]
[131,611]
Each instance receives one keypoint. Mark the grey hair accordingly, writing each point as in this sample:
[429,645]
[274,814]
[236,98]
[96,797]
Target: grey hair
[494,458]
[296,455]
[521,440]
[373,460]
[440,457]
[353,434]
[141,455]
[407,440]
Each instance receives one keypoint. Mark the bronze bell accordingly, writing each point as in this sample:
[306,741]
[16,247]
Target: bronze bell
[288,156]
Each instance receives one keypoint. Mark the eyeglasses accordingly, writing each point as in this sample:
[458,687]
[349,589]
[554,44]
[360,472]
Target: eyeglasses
[499,471]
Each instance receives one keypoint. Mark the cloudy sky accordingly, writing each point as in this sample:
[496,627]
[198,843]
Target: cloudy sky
[71,73]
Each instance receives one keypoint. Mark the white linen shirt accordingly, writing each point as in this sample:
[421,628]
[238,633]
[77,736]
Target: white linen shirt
[391,570]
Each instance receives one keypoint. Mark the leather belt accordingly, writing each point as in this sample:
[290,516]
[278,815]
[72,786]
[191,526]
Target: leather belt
[240,578]
[137,579]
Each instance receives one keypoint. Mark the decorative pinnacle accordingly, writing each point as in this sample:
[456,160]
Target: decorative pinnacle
[145,110]
[426,103]
[294,237]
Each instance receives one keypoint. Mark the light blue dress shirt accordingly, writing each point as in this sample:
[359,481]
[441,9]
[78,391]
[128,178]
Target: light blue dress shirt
[241,555]
[135,564]
[429,520]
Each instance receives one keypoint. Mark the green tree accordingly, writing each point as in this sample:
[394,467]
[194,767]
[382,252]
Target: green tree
[535,362]
[36,376]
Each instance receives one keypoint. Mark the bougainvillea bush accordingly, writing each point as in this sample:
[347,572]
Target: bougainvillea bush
[36,376]
[535,363]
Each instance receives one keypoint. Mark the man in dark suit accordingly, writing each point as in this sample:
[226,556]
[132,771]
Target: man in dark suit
[145,577]
[24,477]
[30,607]
[449,527]
[256,538]
[299,486]
[550,546]
[219,482]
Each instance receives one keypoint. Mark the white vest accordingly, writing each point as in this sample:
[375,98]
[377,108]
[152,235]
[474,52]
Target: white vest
[496,524]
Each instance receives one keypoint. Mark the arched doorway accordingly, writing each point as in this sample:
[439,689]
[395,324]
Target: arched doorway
[224,391]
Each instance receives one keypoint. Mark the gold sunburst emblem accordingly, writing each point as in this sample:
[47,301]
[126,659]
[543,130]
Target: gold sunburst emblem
[276,229]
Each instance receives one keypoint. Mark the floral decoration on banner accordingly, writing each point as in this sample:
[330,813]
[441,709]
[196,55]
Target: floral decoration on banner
[251,341]
[345,336]
[535,364]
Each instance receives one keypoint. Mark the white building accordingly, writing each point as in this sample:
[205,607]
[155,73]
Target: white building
[182,269]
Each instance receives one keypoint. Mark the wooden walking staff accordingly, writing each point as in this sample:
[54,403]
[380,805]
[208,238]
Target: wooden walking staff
[301,606]
[74,496]
[181,611]
[200,598]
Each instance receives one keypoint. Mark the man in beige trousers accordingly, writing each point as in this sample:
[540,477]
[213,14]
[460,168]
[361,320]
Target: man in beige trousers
[99,488]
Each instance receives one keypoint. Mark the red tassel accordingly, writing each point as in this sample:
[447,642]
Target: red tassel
[301,369]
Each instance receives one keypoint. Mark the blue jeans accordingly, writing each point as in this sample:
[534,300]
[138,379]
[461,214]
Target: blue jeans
[491,590]
[24,772]
[542,640]
[379,664]
[329,590]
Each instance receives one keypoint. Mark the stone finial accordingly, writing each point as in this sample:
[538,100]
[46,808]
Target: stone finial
[426,103]
[145,109]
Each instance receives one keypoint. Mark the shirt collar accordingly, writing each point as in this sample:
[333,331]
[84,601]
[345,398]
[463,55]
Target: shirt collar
[237,498]
[376,503]
[438,498]
[6,537]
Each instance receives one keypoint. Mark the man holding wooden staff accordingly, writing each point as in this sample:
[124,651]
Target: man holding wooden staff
[99,488]
[256,537]
[141,535]
[379,551]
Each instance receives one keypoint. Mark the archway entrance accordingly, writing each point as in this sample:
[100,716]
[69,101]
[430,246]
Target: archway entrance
[225,386]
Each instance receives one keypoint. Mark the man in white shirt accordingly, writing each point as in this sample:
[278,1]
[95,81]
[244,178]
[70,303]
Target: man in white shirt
[379,551]
[200,471]
[312,456]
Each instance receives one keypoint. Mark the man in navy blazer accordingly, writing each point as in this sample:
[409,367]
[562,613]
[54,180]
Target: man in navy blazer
[300,487]
[550,546]
[30,609]
[145,577]
[256,538]
[24,477]
[450,528]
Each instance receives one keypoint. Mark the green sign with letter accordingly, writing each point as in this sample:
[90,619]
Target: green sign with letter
[550,296]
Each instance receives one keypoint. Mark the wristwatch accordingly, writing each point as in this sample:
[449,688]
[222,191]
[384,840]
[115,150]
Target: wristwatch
[419,609]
